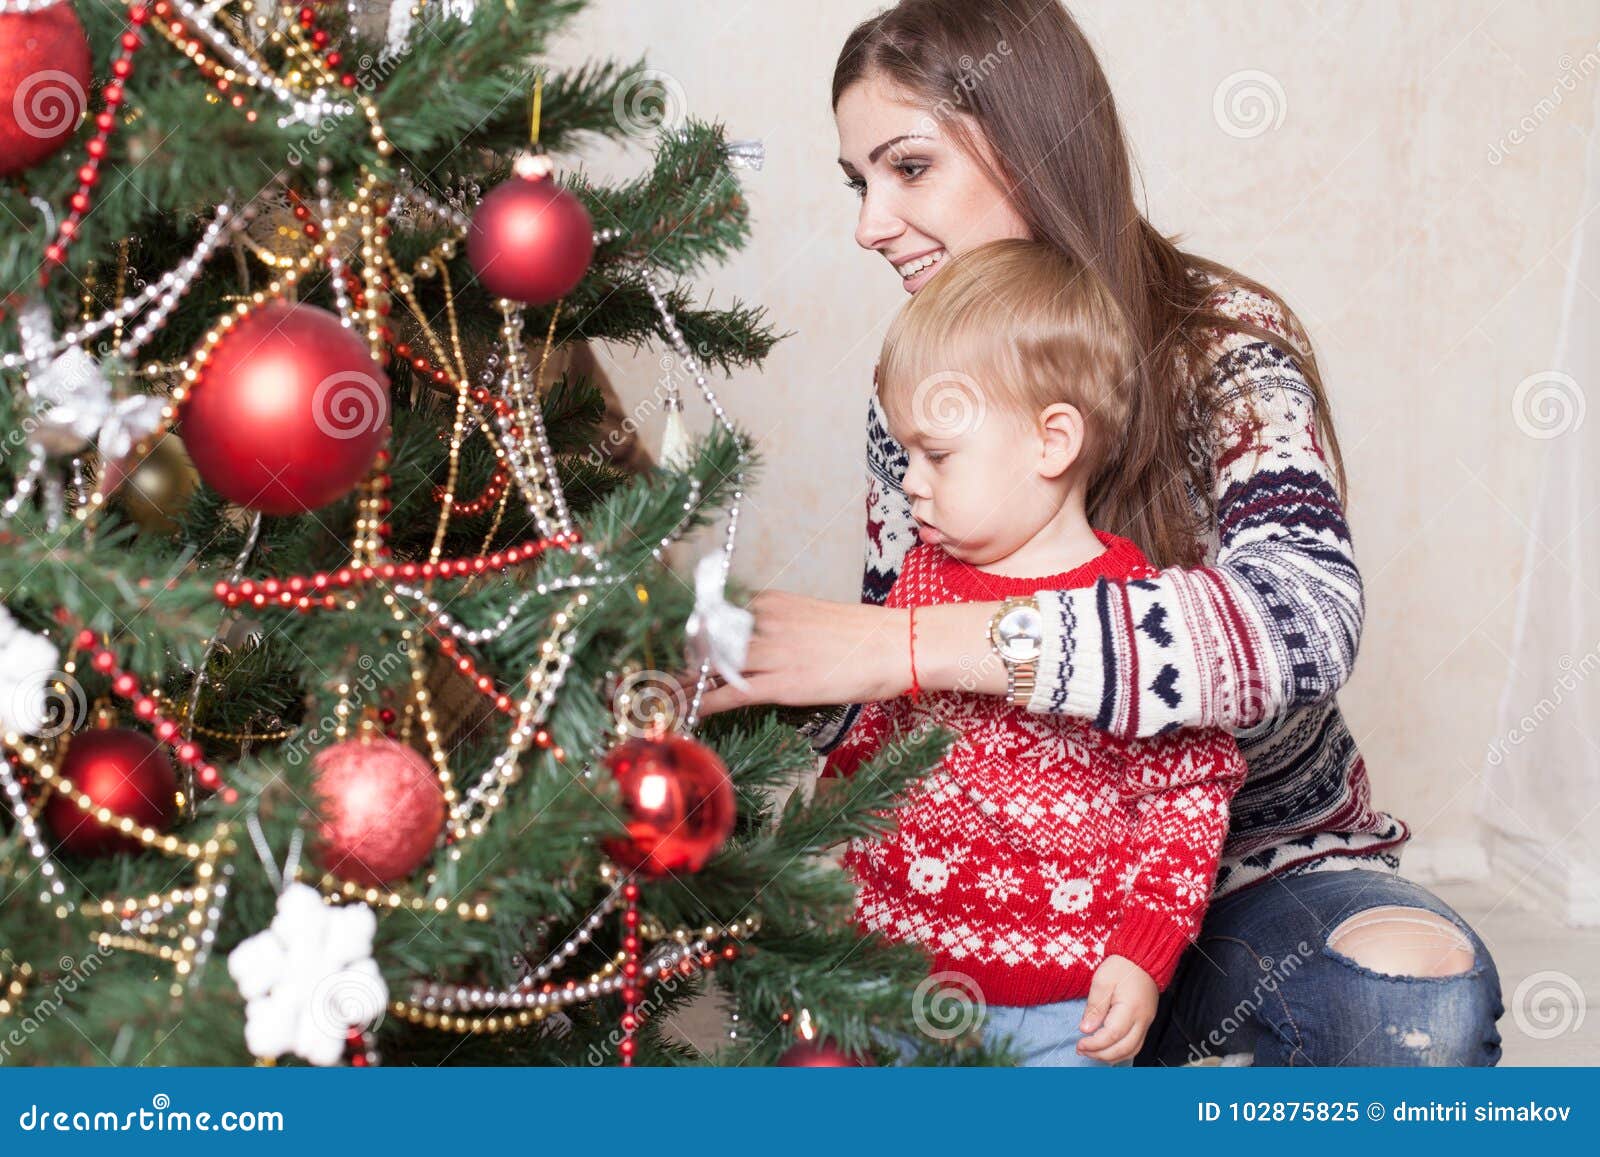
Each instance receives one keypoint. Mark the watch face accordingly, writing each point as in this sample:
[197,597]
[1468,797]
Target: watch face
[1019,633]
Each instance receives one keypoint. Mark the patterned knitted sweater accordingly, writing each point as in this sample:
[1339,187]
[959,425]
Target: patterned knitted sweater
[1040,845]
[1257,640]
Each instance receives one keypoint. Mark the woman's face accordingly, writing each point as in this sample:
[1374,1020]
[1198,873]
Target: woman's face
[922,197]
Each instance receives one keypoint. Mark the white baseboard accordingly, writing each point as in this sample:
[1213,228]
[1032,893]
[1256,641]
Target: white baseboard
[1449,861]
[1546,878]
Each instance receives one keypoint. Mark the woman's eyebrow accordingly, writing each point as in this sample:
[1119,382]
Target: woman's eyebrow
[872,157]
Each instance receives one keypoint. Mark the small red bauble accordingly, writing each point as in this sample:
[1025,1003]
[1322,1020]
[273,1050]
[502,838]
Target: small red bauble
[818,1054]
[44,84]
[289,411]
[119,769]
[679,804]
[381,808]
[530,241]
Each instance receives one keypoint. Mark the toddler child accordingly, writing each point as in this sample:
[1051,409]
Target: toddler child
[1053,871]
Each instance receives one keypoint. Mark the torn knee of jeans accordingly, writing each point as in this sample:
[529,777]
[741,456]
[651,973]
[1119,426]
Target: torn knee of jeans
[1403,942]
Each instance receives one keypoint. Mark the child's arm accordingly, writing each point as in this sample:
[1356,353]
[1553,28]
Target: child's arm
[1178,786]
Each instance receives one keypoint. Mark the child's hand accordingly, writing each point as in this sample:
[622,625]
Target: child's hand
[1122,1005]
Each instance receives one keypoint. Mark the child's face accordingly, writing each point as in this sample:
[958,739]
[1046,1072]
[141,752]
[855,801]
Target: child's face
[980,480]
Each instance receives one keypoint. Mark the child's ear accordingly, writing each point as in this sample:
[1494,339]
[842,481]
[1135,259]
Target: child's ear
[1061,430]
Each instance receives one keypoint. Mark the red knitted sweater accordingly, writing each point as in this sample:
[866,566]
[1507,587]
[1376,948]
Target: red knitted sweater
[1040,845]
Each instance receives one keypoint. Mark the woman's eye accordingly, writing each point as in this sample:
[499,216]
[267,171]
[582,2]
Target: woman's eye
[911,170]
[856,185]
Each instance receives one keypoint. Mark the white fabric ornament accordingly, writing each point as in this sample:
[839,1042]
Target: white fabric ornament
[27,663]
[717,629]
[309,978]
[675,441]
[81,409]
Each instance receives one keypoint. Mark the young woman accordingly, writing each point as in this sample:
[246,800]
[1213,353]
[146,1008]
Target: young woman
[965,121]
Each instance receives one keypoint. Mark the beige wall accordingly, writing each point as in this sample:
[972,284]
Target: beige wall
[1422,244]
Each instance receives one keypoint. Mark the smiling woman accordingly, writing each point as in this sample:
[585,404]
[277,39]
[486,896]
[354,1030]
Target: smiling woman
[962,122]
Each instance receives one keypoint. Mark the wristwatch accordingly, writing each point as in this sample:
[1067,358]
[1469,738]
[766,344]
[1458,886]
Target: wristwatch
[1017,635]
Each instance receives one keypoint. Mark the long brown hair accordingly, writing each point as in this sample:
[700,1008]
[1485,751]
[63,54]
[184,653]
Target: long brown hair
[1022,73]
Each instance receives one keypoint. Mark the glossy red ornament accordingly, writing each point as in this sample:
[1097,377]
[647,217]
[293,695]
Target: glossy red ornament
[818,1054]
[44,84]
[381,808]
[530,240]
[679,804]
[120,769]
[289,410]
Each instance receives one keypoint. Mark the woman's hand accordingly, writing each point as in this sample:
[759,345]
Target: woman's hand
[807,652]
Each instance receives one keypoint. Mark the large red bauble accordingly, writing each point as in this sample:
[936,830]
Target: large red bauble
[818,1054]
[44,84]
[530,240]
[679,803]
[122,770]
[289,410]
[381,808]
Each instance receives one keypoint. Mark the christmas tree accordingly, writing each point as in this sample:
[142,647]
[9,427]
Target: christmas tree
[334,688]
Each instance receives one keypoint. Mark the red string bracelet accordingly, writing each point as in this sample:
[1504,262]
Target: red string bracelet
[916,688]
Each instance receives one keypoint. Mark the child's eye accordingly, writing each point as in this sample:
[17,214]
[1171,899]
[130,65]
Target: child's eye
[938,456]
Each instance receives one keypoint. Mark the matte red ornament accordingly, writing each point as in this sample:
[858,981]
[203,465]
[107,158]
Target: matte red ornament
[679,804]
[289,411]
[381,808]
[120,769]
[818,1054]
[530,241]
[44,84]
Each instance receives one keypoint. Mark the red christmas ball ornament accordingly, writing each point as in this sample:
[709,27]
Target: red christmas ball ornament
[381,808]
[122,770]
[531,240]
[44,84]
[679,803]
[818,1054]
[288,412]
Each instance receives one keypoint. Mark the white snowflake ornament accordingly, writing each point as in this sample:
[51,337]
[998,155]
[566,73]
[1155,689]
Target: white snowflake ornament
[27,662]
[309,978]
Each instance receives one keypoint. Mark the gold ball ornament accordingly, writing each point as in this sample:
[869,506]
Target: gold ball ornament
[156,490]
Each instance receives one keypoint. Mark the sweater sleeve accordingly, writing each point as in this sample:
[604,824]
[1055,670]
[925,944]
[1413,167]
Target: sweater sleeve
[1178,787]
[1271,626]
[891,533]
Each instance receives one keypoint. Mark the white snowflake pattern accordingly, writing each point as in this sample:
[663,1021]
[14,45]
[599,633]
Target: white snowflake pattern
[999,884]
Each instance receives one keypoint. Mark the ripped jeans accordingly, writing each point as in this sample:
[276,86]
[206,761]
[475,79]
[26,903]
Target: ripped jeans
[1261,978]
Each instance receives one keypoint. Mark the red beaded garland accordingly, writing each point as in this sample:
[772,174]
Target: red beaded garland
[125,685]
[89,173]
